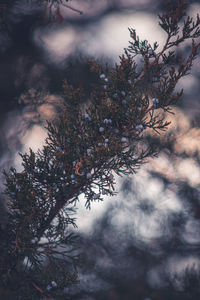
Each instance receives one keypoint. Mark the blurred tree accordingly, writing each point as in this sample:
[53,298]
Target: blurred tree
[52,11]
[39,251]
[128,264]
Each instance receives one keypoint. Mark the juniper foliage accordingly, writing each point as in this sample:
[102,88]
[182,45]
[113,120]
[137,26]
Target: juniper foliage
[39,251]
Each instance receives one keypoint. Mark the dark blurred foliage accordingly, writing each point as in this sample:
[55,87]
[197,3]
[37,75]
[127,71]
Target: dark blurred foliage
[116,263]
[119,264]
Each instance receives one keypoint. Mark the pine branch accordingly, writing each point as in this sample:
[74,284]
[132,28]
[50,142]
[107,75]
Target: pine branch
[82,151]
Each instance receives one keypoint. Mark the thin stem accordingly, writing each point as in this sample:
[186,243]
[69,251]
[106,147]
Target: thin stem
[74,9]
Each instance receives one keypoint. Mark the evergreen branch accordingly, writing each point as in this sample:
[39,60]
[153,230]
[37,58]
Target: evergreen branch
[81,152]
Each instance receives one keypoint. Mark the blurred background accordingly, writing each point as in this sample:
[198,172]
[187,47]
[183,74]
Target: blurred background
[143,243]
